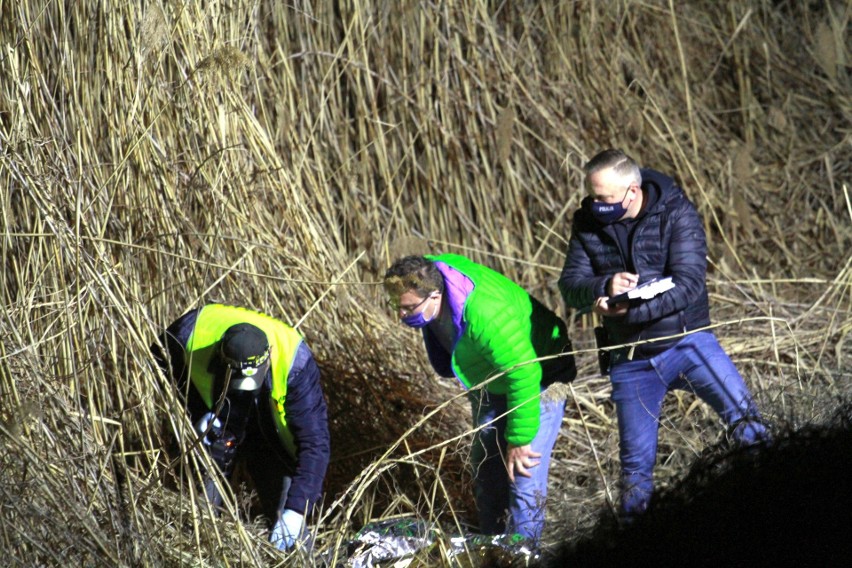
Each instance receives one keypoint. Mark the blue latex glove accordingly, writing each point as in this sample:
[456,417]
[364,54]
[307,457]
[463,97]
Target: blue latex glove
[287,529]
[203,424]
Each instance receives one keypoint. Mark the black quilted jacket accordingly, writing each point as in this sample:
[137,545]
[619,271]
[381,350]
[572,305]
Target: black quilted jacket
[668,240]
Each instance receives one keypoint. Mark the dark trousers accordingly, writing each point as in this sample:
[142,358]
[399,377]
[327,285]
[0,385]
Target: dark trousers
[266,463]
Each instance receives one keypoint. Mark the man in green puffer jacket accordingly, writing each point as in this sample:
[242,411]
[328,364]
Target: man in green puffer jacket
[483,329]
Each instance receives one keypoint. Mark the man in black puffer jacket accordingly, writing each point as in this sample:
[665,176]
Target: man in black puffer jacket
[636,225]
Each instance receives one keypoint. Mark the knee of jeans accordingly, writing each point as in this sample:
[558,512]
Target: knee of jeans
[529,490]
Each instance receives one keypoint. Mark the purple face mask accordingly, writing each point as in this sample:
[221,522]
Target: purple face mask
[417,320]
[608,213]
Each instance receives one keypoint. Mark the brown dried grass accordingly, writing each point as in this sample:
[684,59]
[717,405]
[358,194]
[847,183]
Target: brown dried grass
[157,157]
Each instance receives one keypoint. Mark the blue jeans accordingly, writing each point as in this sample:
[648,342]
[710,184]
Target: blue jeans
[697,364]
[506,507]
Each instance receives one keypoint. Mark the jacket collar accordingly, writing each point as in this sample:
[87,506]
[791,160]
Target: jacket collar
[457,288]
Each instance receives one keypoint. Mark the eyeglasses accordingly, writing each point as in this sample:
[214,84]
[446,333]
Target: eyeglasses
[407,310]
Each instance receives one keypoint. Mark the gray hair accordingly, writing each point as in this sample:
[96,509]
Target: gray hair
[621,163]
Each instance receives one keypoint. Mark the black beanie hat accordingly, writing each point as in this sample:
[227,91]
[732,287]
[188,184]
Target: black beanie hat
[244,343]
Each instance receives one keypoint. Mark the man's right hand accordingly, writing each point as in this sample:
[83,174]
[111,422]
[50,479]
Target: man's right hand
[619,283]
[205,424]
[622,282]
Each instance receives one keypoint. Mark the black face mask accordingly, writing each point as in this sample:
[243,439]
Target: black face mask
[608,213]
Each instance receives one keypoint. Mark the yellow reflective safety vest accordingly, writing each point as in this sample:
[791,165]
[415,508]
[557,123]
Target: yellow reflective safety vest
[212,322]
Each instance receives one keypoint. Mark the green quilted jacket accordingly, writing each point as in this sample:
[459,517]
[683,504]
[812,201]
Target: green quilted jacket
[499,328]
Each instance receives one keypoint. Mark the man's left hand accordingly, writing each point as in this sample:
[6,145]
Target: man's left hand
[287,529]
[519,459]
[602,308]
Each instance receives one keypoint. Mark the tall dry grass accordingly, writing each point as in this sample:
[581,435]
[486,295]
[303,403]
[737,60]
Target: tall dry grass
[157,156]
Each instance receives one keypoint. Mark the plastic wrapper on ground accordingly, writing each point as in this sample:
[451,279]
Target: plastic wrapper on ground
[410,543]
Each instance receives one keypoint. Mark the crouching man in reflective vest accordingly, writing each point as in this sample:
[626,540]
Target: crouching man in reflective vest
[252,391]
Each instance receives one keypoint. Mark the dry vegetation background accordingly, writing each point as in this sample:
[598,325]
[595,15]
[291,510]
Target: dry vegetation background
[155,156]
